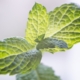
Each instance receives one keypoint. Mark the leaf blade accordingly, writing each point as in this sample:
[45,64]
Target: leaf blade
[64,24]
[19,56]
[41,73]
[37,23]
[52,45]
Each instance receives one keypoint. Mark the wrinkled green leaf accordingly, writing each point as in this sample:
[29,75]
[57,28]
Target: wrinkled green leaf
[52,45]
[16,56]
[41,73]
[37,24]
[64,24]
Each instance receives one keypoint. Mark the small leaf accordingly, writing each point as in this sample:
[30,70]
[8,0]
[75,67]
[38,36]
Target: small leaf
[52,45]
[41,37]
[37,24]
[16,56]
[41,73]
[64,24]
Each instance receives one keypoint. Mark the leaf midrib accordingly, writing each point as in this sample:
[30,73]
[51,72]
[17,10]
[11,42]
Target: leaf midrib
[64,27]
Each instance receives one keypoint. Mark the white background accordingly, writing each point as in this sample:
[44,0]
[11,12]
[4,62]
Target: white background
[13,18]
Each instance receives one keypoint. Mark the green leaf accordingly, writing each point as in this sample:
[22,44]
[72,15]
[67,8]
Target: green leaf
[64,24]
[16,56]
[52,45]
[13,46]
[37,24]
[41,73]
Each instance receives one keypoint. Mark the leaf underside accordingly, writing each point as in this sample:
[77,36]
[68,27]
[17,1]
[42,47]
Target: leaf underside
[41,73]
[52,45]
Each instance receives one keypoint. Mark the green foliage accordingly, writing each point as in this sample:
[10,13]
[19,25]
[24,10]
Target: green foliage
[16,56]
[42,72]
[37,23]
[64,24]
[52,45]
[13,46]
[55,31]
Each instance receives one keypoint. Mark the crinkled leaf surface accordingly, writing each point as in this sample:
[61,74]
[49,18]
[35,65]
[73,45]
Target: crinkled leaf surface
[52,45]
[64,24]
[41,73]
[37,24]
[16,56]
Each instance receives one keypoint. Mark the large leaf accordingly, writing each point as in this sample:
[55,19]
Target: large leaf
[65,24]
[37,24]
[41,73]
[52,45]
[16,56]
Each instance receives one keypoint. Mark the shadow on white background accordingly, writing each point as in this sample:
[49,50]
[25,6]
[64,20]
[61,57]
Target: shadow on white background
[13,18]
